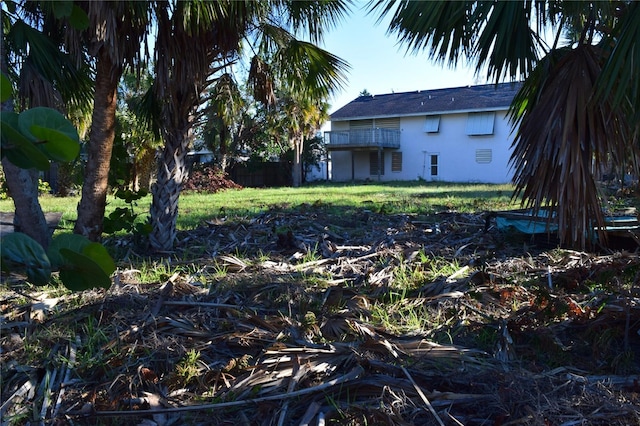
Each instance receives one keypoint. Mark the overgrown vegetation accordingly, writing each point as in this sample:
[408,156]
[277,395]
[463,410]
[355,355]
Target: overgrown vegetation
[340,310]
[30,140]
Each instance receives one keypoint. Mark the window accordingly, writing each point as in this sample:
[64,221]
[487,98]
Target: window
[361,125]
[396,161]
[432,124]
[387,123]
[373,163]
[483,156]
[434,165]
[480,123]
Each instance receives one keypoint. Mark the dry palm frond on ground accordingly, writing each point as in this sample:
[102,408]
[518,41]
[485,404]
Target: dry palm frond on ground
[300,317]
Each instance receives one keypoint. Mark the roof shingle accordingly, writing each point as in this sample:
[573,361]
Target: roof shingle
[458,99]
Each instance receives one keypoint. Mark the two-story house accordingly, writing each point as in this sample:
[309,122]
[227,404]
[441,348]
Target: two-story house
[458,135]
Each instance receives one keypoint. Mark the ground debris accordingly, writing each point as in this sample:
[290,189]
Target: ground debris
[298,316]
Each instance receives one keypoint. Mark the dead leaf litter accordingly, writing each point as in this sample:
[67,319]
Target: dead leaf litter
[302,317]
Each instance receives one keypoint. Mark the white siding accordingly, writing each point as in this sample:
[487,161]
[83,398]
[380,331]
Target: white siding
[458,153]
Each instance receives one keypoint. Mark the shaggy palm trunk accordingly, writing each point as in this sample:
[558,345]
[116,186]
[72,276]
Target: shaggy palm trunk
[94,191]
[172,173]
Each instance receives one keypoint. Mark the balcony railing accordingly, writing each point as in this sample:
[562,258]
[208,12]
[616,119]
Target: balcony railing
[362,138]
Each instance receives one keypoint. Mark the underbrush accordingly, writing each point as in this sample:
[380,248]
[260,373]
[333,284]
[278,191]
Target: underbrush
[303,312]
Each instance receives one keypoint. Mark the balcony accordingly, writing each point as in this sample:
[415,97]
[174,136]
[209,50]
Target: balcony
[362,139]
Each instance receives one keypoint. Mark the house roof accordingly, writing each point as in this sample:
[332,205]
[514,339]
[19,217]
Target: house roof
[488,97]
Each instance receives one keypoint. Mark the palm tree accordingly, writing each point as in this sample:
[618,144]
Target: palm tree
[578,107]
[135,145]
[302,119]
[114,35]
[304,73]
[211,33]
[224,118]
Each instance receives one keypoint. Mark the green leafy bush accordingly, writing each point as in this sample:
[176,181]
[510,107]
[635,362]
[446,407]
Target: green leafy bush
[82,264]
[31,139]
[126,218]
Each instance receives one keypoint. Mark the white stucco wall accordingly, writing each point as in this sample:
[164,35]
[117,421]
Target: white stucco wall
[455,149]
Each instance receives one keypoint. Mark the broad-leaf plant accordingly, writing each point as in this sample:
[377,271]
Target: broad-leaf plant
[31,139]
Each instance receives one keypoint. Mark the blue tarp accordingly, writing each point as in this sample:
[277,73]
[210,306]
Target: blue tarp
[525,222]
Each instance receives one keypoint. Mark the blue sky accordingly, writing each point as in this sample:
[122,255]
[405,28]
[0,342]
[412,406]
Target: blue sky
[380,65]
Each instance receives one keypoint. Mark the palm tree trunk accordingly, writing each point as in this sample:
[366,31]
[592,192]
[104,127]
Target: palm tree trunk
[296,172]
[224,149]
[172,173]
[94,191]
[144,168]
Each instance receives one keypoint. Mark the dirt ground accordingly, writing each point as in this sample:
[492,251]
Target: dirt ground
[308,316]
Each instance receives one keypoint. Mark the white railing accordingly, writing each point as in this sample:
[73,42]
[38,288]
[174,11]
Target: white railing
[385,138]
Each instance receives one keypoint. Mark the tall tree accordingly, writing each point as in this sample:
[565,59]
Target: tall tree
[225,119]
[22,182]
[114,36]
[45,76]
[300,119]
[211,33]
[579,103]
[304,73]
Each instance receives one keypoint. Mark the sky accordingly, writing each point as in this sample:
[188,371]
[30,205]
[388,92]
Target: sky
[381,65]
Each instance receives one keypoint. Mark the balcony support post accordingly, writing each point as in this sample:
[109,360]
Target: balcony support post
[353,167]
[379,160]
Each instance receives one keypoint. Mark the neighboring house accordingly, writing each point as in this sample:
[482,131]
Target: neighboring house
[459,135]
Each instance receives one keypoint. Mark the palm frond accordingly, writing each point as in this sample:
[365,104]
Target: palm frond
[315,17]
[440,27]
[225,20]
[309,69]
[620,78]
[563,139]
[506,44]
[493,34]
[121,27]
[148,109]
[272,37]
[48,76]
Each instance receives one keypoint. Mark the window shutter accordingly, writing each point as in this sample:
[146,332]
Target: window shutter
[361,125]
[387,123]
[396,161]
[480,123]
[432,124]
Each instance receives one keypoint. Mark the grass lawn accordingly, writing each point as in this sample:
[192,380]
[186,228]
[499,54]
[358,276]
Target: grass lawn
[393,197]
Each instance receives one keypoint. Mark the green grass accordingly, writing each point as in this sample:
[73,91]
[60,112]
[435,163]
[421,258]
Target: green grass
[392,197]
